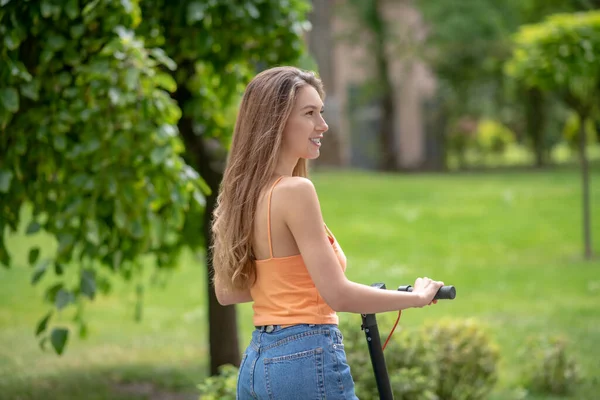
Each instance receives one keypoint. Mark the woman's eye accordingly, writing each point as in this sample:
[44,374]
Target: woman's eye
[310,113]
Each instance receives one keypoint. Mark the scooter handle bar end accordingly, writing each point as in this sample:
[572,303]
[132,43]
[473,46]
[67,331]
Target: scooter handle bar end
[445,292]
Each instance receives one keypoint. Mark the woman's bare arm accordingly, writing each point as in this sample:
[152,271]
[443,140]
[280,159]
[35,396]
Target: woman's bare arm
[303,216]
[227,298]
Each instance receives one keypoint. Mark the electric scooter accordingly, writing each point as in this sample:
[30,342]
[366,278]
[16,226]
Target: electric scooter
[369,325]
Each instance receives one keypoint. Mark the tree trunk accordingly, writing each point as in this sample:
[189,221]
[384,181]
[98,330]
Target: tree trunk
[389,159]
[386,131]
[587,235]
[222,321]
[535,117]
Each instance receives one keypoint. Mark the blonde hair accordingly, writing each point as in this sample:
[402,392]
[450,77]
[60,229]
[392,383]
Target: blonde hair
[257,138]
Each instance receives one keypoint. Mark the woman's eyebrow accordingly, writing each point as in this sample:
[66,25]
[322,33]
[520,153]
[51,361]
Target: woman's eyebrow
[311,106]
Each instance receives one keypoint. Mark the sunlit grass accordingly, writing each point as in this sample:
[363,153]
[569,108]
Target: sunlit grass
[510,242]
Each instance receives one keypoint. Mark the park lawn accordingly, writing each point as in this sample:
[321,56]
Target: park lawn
[509,241]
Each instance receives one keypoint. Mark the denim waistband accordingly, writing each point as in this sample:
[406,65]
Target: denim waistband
[276,328]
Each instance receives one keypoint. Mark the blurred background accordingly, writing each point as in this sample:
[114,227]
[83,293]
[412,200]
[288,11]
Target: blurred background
[464,145]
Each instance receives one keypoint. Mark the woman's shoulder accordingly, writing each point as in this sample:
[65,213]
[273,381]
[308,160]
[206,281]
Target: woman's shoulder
[296,190]
[296,186]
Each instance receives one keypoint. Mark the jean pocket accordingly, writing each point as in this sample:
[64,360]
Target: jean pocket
[344,375]
[296,376]
[338,338]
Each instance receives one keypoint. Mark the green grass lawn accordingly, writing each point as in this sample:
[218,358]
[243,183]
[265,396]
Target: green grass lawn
[510,242]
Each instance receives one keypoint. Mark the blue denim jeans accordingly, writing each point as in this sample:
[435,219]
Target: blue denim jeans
[302,362]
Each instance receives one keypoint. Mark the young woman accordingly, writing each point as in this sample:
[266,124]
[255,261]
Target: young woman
[272,247]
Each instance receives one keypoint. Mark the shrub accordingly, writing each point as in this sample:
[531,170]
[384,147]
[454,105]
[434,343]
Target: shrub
[444,360]
[410,361]
[493,137]
[549,367]
[450,360]
[222,386]
[467,359]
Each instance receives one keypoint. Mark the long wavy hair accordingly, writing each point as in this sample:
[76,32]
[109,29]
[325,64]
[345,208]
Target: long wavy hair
[256,145]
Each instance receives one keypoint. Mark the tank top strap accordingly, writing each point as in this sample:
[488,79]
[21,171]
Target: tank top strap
[269,217]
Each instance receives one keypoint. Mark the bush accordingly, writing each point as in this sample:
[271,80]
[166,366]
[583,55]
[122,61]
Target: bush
[467,359]
[445,360]
[493,137]
[222,386]
[410,361]
[448,360]
[549,367]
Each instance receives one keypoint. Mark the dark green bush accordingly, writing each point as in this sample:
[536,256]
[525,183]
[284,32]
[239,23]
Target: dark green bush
[444,360]
[220,387]
[467,359]
[549,368]
[449,360]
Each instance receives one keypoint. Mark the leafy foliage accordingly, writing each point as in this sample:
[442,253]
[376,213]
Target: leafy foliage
[560,55]
[89,139]
[550,366]
[222,386]
[115,118]
[450,359]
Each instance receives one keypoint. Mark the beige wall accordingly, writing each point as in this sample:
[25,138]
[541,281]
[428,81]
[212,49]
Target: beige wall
[349,62]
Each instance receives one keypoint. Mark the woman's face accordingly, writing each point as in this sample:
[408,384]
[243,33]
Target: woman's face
[305,126]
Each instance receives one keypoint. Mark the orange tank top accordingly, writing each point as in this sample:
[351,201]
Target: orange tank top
[284,292]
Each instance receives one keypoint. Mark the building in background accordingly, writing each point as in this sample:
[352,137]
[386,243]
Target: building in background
[339,43]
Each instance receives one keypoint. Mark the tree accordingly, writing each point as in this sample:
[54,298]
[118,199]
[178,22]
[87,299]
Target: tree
[559,55]
[467,45]
[115,119]
[214,60]
[369,17]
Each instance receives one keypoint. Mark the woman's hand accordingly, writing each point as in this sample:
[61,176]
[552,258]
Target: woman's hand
[427,289]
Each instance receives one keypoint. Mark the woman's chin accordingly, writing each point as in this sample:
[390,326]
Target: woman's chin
[313,155]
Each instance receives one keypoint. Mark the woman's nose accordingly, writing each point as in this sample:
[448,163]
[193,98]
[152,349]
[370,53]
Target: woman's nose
[323,127]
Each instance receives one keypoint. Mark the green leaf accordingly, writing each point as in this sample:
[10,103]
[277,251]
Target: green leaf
[88,284]
[31,89]
[46,8]
[60,142]
[5,180]
[58,338]
[159,155]
[77,31]
[92,233]
[4,256]
[165,81]
[63,298]
[58,268]
[43,343]
[43,324]
[56,42]
[195,12]
[72,9]
[132,78]
[127,5]
[33,227]
[9,97]
[252,10]
[83,330]
[34,254]
[52,291]
[163,58]
[39,271]
[117,259]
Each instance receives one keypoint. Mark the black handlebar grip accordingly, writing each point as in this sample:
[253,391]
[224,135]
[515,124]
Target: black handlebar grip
[445,292]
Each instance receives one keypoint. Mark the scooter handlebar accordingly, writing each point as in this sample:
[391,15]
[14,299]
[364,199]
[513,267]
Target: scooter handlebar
[445,292]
